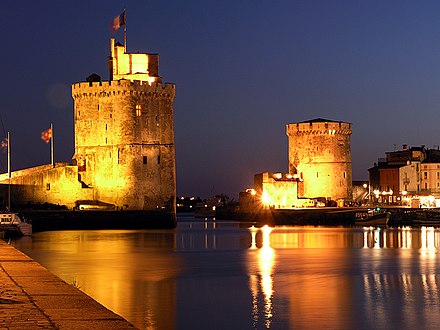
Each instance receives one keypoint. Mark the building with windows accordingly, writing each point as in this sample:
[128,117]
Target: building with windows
[412,173]
[124,142]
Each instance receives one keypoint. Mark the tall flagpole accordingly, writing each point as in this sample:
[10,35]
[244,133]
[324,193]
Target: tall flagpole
[125,32]
[9,173]
[51,146]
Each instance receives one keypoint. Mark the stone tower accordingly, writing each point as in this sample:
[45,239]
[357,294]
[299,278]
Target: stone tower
[319,153]
[124,134]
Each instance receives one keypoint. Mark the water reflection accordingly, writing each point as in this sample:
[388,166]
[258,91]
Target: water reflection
[209,274]
[260,265]
[121,269]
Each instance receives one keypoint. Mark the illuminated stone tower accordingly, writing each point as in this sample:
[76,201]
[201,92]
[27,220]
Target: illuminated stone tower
[124,134]
[319,153]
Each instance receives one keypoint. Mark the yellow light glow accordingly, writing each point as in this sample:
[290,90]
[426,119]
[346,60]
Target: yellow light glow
[265,198]
[251,191]
[253,231]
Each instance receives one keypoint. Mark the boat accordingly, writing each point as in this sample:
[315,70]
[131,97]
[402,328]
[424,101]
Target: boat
[426,217]
[13,224]
[372,218]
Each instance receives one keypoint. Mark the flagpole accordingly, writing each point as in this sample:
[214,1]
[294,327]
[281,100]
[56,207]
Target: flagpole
[51,146]
[9,173]
[125,32]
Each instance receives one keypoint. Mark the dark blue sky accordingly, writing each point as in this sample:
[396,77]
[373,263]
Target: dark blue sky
[243,70]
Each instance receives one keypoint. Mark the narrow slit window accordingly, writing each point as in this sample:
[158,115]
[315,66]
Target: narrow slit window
[144,160]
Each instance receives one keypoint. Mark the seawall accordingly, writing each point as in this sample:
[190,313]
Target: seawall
[33,298]
[45,220]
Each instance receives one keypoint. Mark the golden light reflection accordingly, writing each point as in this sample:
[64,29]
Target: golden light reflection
[261,278]
[253,231]
[428,241]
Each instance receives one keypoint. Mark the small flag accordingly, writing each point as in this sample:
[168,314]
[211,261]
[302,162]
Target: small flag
[46,135]
[4,144]
[117,22]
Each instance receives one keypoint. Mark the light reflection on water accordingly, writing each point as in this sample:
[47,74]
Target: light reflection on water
[227,275]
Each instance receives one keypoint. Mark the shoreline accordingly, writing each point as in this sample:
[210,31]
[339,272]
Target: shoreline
[32,297]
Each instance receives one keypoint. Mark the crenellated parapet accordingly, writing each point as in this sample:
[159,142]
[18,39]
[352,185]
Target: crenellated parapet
[123,88]
[319,153]
[319,128]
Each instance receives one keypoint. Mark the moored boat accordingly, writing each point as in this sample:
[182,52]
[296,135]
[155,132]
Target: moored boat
[372,218]
[14,225]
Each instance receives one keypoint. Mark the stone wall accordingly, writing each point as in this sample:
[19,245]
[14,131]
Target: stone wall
[45,184]
[124,142]
[319,153]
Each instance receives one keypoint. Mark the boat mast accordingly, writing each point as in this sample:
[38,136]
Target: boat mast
[9,173]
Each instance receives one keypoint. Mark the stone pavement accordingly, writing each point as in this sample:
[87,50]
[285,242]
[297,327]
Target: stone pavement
[33,298]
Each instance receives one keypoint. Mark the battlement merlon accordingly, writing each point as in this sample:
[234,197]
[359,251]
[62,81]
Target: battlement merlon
[144,67]
[109,88]
[319,128]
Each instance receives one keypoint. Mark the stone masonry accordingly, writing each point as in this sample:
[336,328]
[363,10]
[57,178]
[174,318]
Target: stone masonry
[319,153]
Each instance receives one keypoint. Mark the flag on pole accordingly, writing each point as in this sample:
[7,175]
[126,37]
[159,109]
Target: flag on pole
[4,144]
[117,22]
[46,135]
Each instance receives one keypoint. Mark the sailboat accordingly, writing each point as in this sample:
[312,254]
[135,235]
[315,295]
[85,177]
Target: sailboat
[13,224]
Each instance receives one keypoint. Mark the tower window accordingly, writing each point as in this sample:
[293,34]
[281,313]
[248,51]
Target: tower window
[138,110]
[47,186]
[144,160]
[345,175]
[158,159]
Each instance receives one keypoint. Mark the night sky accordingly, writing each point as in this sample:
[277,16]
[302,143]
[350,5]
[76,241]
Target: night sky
[243,70]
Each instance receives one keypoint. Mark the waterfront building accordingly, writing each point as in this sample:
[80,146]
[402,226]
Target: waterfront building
[124,133]
[320,154]
[124,143]
[410,176]
[320,169]
[279,190]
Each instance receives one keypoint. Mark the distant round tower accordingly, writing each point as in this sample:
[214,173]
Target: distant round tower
[319,153]
[124,134]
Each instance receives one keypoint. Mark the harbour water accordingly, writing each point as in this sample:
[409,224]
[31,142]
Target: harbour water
[208,274]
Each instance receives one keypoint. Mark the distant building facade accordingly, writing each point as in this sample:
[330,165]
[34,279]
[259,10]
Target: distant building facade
[124,142]
[406,173]
[320,154]
[320,169]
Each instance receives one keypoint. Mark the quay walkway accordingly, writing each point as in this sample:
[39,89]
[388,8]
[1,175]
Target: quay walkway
[33,298]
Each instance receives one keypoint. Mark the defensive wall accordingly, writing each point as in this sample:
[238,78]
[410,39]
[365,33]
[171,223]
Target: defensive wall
[124,142]
[57,185]
[320,154]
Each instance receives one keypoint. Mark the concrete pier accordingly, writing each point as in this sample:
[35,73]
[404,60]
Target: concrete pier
[33,298]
